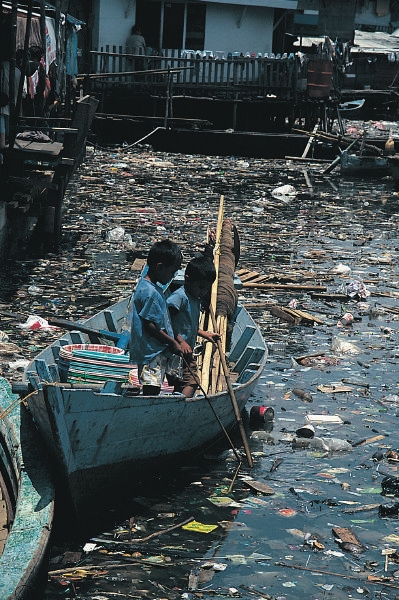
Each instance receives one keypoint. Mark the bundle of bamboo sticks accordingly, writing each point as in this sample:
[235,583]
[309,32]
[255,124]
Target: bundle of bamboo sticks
[222,304]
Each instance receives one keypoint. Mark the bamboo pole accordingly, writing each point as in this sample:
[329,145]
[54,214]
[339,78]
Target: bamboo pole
[231,393]
[206,363]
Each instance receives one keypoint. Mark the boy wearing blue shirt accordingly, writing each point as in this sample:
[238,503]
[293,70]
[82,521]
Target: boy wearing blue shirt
[152,340]
[185,307]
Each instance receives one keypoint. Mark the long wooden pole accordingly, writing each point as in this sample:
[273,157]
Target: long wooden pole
[231,392]
[205,377]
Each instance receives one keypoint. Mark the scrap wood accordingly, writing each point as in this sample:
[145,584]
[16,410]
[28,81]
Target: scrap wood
[362,508]
[298,315]
[346,539]
[246,275]
[328,296]
[277,311]
[370,578]
[307,316]
[304,356]
[98,571]
[262,304]
[371,440]
[258,486]
[334,389]
[387,552]
[79,573]
[285,286]
[144,539]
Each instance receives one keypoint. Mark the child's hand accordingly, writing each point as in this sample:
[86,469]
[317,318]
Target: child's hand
[212,337]
[185,348]
[175,347]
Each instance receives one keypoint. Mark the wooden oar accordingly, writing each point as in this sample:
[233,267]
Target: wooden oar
[74,326]
[70,326]
[231,391]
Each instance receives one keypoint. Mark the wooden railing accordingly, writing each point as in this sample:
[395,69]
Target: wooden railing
[196,74]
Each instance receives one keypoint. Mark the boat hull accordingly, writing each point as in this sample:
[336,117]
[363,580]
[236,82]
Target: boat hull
[29,494]
[352,164]
[99,436]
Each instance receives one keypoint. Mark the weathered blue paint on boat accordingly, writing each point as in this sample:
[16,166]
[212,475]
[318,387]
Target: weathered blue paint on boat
[29,496]
[97,436]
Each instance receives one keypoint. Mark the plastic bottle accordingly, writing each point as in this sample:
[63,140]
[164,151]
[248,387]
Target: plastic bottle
[330,444]
[389,147]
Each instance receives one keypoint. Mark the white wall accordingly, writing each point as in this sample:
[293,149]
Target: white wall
[229,28]
[223,32]
[115,21]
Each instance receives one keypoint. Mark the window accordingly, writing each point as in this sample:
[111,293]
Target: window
[195,26]
[173,25]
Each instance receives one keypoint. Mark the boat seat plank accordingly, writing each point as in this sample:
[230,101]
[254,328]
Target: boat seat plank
[34,380]
[53,370]
[76,337]
[242,342]
[109,318]
[251,354]
[55,350]
[43,371]
[249,372]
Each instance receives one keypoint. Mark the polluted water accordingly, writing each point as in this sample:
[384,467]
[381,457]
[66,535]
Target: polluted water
[317,515]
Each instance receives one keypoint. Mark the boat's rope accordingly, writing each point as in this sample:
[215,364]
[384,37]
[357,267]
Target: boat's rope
[14,404]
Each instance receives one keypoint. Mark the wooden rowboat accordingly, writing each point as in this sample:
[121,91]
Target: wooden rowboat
[26,500]
[355,164]
[350,109]
[102,431]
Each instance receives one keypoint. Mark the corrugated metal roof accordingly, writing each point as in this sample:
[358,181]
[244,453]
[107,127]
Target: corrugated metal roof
[365,41]
[377,41]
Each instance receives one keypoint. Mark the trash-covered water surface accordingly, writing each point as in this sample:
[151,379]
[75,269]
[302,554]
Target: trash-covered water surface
[317,515]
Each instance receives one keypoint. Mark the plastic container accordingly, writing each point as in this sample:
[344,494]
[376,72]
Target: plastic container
[319,78]
[261,414]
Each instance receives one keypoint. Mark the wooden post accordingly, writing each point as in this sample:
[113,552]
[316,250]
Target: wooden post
[23,73]
[12,66]
[310,141]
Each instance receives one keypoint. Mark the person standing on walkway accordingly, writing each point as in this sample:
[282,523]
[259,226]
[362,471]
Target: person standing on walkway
[135,44]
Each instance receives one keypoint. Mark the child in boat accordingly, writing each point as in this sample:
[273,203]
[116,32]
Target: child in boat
[184,306]
[152,342]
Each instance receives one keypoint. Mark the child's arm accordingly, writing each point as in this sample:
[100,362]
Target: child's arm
[185,348]
[162,336]
[210,336]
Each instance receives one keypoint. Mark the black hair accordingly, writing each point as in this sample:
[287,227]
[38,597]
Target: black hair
[166,252]
[201,268]
[136,29]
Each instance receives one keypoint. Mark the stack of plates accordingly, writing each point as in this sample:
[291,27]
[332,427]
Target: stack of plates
[97,364]
[93,363]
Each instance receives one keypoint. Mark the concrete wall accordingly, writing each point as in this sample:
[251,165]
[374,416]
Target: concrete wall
[113,22]
[238,29]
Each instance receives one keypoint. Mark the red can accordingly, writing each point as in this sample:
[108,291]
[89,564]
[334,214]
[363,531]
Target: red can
[261,413]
